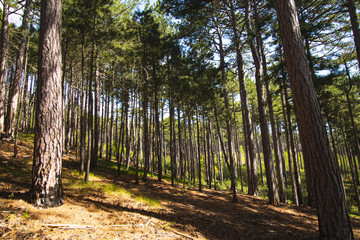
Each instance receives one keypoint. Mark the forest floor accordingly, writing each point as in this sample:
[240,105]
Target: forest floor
[114,207]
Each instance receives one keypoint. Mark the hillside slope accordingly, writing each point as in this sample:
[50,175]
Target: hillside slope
[112,207]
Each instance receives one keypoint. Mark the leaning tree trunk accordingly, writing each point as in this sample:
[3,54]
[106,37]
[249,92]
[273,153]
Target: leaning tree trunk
[46,189]
[334,222]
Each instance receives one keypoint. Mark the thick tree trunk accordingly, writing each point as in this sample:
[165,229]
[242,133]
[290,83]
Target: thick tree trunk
[46,189]
[3,57]
[334,222]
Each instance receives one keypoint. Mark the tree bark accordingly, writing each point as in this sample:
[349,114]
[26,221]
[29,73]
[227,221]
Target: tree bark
[334,222]
[350,4]
[14,90]
[249,136]
[46,189]
[3,57]
[264,126]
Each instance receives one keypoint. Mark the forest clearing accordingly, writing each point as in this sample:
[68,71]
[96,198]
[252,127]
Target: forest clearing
[114,207]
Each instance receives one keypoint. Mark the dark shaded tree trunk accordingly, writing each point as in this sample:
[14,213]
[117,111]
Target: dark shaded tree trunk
[334,222]
[354,26]
[146,147]
[46,188]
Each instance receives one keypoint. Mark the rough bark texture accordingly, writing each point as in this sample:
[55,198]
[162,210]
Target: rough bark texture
[46,190]
[3,56]
[332,213]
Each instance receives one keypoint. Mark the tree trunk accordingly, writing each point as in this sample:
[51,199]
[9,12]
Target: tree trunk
[288,148]
[46,189]
[3,57]
[145,128]
[96,130]
[83,125]
[264,126]
[15,84]
[198,149]
[249,136]
[334,222]
[354,26]
[180,144]
[90,115]
[158,136]
[69,107]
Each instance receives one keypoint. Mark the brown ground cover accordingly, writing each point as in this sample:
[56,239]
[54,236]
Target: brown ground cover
[151,210]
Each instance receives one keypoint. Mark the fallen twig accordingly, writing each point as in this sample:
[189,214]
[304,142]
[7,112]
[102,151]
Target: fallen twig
[69,226]
[181,234]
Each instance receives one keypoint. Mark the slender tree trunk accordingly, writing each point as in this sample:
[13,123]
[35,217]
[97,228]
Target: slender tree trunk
[264,126]
[46,188]
[83,125]
[198,150]
[14,90]
[180,144]
[96,130]
[109,145]
[191,151]
[334,222]
[69,107]
[249,136]
[296,170]
[158,136]
[288,146]
[354,26]
[145,129]
[90,115]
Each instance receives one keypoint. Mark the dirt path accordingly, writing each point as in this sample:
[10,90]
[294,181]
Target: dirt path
[175,214]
